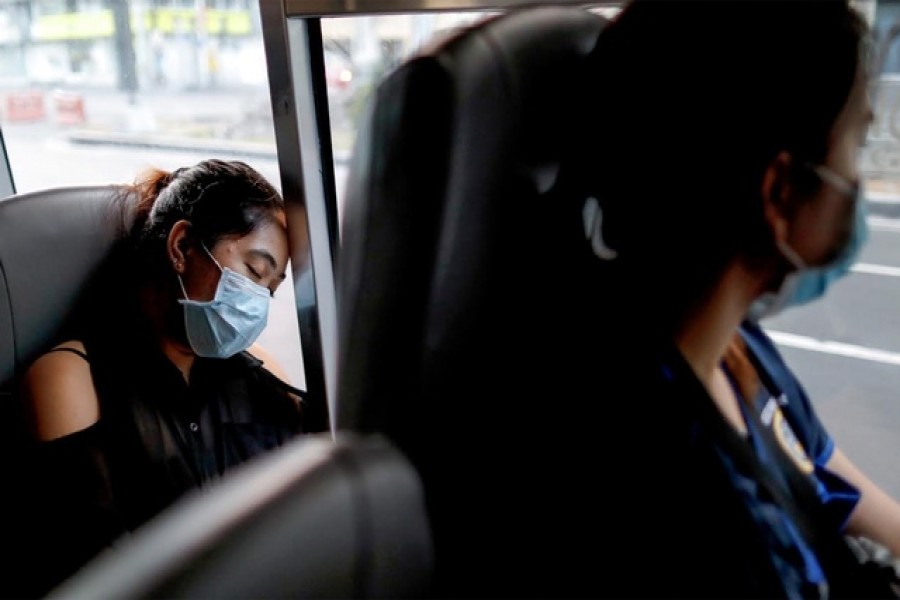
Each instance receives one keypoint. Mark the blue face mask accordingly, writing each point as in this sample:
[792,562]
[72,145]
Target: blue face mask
[805,283]
[231,321]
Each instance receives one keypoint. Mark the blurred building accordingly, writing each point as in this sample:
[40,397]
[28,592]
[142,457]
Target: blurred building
[174,44]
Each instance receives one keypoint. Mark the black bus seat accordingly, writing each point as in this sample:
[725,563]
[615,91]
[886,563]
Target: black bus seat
[464,277]
[52,243]
[320,518]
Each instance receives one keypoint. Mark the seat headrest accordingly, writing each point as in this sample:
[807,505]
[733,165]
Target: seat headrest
[465,290]
[450,197]
[51,243]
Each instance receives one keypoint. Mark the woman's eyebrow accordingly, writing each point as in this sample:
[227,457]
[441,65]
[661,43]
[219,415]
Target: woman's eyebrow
[265,255]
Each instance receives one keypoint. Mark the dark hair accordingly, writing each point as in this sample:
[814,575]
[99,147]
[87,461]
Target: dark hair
[220,199]
[693,100]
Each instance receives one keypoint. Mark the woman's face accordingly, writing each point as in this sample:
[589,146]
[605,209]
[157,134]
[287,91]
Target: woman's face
[261,255]
[821,226]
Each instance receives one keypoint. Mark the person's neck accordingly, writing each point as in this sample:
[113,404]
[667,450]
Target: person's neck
[181,356]
[155,304]
[706,333]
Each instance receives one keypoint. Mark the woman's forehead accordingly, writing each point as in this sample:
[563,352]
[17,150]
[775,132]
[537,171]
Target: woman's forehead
[269,235]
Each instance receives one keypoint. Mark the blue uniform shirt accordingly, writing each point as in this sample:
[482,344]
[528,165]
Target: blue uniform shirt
[782,405]
[800,430]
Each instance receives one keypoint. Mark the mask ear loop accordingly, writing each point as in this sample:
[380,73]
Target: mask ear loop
[836,181]
[791,255]
[175,266]
[181,283]
[202,245]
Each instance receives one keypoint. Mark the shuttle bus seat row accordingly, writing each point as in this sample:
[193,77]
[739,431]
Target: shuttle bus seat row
[464,274]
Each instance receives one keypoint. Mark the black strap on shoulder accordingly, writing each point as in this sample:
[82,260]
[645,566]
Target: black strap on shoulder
[72,350]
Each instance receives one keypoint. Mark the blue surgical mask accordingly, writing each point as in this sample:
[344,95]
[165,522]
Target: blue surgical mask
[805,284]
[231,321]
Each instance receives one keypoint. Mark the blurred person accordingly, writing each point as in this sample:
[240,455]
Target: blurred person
[162,389]
[874,514]
[756,111]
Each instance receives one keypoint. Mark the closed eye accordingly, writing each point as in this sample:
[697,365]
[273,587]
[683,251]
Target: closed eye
[253,272]
[256,275]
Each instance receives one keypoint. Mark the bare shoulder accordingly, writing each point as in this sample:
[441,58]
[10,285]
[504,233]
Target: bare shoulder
[268,362]
[59,393]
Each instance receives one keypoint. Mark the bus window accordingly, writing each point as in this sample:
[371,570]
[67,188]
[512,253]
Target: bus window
[95,92]
[359,51]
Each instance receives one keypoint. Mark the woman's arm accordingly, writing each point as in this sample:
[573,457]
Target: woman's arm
[72,506]
[877,515]
[59,393]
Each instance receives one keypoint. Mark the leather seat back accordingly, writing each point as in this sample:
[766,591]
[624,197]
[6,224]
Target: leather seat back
[463,287]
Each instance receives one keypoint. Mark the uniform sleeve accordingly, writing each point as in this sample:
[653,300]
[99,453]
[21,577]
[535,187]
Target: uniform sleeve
[798,409]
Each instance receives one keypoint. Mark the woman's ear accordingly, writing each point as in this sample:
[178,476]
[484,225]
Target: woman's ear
[177,245]
[777,191]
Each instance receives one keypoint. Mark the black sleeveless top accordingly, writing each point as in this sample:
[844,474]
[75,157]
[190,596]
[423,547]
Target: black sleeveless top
[158,437]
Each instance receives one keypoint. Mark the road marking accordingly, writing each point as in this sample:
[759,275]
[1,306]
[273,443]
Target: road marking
[883,197]
[872,269]
[883,223]
[837,348]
